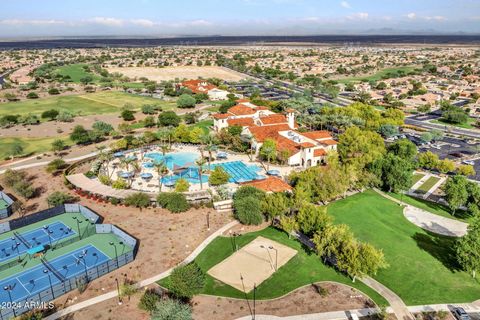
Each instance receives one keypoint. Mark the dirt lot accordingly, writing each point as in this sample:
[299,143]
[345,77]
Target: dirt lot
[184,72]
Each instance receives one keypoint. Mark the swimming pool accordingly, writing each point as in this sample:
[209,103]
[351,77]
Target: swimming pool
[179,158]
[239,171]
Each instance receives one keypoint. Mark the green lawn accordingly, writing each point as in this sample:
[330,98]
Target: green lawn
[76,72]
[433,207]
[30,145]
[85,104]
[303,269]
[378,75]
[468,125]
[416,177]
[422,266]
[204,125]
[427,185]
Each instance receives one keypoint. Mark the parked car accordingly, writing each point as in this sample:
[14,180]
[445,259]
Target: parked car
[469,162]
[460,314]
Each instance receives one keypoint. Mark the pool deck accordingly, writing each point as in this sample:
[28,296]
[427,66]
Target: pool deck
[152,185]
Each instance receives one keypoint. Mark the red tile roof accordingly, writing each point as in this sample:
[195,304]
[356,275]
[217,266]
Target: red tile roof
[198,86]
[307,144]
[273,119]
[317,134]
[329,142]
[241,110]
[243,122]
[319,153]
[262,133]
[271,184]
[221,116]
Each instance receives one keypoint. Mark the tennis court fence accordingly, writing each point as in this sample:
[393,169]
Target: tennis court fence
[42,298]
[5,213]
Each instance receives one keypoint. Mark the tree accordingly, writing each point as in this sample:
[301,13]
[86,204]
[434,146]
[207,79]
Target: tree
[275,205]
[426,137]
[102,127]
[312,218]
[50,114]
[57,198]
[268,150]
[186,101]
[58,145]
[428,160]
[445,165]
[404,149]
[371,259]
[169,309]
[437,135]
[65,116]
[396,173]
[200,162]
[468,248]
[168,118]
[218,176]
[456,193]
[138,200]
[360,147]
[17,149]
[455,116]
[388,130]
[127,115]
[182,185]
[79,135]
[162,171]
[248,210]
[466,170]
[331,239]
[288,224]
[173,201]
[186,281]
[148,301]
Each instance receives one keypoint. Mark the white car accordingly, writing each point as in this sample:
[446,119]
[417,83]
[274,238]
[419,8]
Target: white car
[469,162]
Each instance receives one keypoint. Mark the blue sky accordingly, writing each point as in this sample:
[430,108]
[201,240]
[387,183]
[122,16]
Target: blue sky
[21,18]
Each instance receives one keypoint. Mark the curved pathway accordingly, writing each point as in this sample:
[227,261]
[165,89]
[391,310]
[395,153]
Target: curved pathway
[143,283]
[429,221]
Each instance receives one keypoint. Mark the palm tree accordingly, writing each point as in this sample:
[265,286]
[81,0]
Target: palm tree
[164,148]
[106,158]
[209,141]
[200,162]
[162,171]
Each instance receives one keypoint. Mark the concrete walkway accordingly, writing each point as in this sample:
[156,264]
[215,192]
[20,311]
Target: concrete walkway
[143,283]
[333,315]
[429,221]
[434,187]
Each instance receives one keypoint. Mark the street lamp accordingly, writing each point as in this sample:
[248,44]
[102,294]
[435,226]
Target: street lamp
[276,256]
[17,244]
[116,254]
[118,290]
[50,281]
[9,288]
[254,291]
[78,227]
[84,264]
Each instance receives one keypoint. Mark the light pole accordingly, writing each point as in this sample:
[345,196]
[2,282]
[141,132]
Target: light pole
[118,290]
[78,227]
[85,265]
[116,254]
[50,281]
[8,289]
[254,291]
[276,256]
[269,257]
[17,244]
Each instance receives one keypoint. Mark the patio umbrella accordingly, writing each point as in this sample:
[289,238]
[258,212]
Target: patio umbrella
[273,172]
[118,154]
[146,175]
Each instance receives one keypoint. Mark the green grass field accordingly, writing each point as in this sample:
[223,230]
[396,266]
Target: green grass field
[378,75]
[30,145]
[303,269]
[427,185]
[204,125]
[85,104]
[469,125]
[76,72]
[422,266]
[416,177]
[433,207]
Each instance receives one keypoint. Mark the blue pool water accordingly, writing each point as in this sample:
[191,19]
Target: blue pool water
[239,171]
[171,159]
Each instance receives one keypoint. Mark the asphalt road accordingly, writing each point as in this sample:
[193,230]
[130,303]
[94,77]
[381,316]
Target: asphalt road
[447,129]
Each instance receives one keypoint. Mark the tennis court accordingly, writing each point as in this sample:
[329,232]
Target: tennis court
[35,280]
[19,243]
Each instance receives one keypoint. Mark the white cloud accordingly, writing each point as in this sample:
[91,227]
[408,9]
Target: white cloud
[110,22]
[143,22]
[436,18]
[346,5]
[16,22]
[358,16]
[200,23]
[411,15]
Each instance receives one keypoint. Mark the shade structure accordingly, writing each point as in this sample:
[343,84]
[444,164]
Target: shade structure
[146,175]
[118,154]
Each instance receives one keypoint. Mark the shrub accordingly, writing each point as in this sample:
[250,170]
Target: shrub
[248,191]
[248,210]
[127,115]
[55,165]
[168,118]
[139,200]
[24,188]
[57,198]
[186,101]
[148,301]
[104,179]
[186,281]
[218,176]
[114,201]
[173,201]
[182,185]
[50,114]
[120,184]
[10,177]
[65,116]
[127,290]
[53,91]
[169,309]
[32,95]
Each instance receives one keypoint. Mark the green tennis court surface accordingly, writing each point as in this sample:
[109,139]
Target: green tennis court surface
[100,240]
[3,204]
